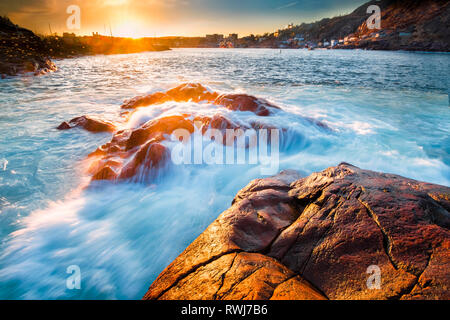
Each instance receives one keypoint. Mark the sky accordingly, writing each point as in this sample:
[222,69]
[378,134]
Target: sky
[138,18]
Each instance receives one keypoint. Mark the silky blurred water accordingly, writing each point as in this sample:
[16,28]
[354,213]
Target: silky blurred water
[387,111]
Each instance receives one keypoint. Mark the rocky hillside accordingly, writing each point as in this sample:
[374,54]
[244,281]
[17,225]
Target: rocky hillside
[405,24]
[21,51]
[320,237]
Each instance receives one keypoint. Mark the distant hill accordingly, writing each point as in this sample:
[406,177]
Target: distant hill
[21,50]
[405,24]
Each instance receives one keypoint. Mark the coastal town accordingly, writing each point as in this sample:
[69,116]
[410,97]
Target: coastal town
[407,27]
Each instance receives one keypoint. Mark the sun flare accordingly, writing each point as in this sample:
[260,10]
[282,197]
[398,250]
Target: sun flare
[129,29]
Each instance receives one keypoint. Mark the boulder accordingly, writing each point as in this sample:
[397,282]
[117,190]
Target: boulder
[151,156]
[141,101]
[106,173]
[186,92]
[64,126]
[158,128]
[287,237]
[196,92]
[88,123]
[121,158]
[192,92]
[244,102]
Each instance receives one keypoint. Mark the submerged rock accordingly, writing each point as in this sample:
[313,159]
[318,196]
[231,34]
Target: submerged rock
[195,92]
[88,123]
[139,152]
[244,102]
[316,238]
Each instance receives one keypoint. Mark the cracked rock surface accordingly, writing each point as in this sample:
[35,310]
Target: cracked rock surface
[287,237]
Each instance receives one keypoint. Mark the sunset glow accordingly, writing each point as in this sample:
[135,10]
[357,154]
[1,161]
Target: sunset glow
[137,18]
[130,29]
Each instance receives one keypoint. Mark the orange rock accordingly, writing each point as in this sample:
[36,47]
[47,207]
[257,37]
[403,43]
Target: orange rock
[88,123]
[156,128]
[315,237]
[106,173]
[244,102]
[150,157]
[186,92]
[141,101]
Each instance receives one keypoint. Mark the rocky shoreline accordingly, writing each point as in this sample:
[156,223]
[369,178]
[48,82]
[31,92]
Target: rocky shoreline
[295,238]
[21,51]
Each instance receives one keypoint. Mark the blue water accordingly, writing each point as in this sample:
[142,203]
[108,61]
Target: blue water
[387,111]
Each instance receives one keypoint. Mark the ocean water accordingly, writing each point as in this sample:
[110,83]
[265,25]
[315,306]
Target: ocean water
[386,111]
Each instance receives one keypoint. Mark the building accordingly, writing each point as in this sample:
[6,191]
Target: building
[299,38]
[214,38]
[69,35]
[233,37]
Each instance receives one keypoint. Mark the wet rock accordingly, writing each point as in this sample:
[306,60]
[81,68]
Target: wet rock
[140,101]
[64,126]
[186,92]
[192,92]
[244,102]
[127,144]
[147,160]
[88,123]
[106,173]
[195,92]
[157,128]
[287,237]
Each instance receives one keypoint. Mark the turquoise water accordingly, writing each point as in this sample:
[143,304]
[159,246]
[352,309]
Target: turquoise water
[387,111]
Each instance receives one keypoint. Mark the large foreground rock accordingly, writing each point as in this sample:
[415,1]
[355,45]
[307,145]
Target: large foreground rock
[314,238]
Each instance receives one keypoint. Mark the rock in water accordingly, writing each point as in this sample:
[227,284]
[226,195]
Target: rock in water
[317,238]
[88,123]
[136,153]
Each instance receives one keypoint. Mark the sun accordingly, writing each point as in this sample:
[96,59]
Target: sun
[129,29]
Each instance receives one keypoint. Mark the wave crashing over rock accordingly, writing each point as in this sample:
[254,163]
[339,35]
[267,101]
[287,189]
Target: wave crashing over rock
[141,153]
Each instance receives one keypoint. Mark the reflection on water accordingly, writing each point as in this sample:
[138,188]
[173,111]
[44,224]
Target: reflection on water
[388,111]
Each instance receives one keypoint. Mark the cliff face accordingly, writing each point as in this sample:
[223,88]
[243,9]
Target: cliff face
[405,24]
[21,51]
[410,25]
[318,237]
